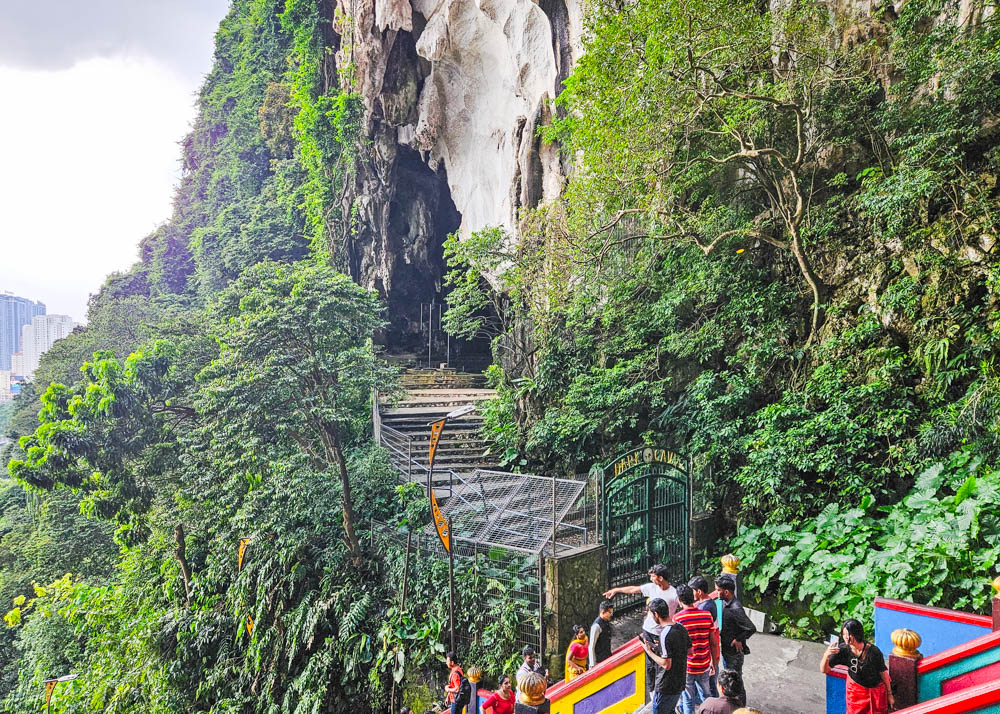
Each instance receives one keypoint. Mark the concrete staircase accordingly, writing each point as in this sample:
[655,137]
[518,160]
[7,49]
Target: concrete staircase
[404,427]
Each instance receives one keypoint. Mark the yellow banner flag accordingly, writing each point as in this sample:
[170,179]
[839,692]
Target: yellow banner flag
[440,522]
[436,428]
[249,625]
[240,552]
[49,686]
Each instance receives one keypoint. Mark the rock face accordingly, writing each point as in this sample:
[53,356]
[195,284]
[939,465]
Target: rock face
[454,92]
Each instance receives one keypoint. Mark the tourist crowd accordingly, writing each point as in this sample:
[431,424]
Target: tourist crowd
[695,641]
[694,637]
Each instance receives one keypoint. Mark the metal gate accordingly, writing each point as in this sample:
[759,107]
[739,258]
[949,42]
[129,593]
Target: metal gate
[645,506]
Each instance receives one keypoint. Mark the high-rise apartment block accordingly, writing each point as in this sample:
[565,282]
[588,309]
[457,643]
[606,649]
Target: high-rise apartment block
[5,393]
[39,336]
[15,313]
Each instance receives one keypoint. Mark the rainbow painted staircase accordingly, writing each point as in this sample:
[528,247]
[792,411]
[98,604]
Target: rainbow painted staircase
[956,669]
[615,686]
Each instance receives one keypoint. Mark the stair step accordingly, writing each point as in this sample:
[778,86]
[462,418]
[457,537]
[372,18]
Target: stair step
[431,412]
[424,434]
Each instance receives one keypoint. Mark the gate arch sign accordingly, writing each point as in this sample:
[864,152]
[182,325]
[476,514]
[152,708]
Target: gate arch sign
[646,512]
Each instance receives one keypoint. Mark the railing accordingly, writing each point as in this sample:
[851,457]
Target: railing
[473,496]
[615,686]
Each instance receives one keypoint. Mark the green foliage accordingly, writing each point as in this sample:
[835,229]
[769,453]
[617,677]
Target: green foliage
[327,123]
[934,546]
[759,161]
[491,605]
[109,434]
[257,433]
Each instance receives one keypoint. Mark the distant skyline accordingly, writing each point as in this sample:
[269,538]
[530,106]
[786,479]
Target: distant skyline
[99,96]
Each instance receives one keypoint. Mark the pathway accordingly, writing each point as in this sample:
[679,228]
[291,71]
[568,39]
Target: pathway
[782,676]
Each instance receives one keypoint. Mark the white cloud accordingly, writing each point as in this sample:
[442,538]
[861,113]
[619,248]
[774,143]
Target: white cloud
[90,157]
[56,34]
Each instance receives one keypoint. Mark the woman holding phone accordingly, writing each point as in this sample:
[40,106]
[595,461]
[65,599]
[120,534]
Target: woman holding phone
[868,686]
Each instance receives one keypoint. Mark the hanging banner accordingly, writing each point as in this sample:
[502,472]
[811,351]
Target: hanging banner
[249,625]
[440,523]
[240,552]
[49,686]
[436,429]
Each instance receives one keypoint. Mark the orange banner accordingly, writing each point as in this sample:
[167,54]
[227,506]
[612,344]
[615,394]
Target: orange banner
[242,550]
[436,429]
[439,520]
[49,686]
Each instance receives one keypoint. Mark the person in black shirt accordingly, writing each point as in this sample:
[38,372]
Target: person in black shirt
[671,670]
[736,627]
[868,688]
[600,634]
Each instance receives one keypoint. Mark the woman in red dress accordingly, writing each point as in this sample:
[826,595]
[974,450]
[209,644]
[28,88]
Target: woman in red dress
[502,700]
[868,687]
[576,654]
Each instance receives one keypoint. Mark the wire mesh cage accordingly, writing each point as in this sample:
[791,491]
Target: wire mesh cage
[519,512]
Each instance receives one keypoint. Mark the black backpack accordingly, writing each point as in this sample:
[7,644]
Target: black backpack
[464,694]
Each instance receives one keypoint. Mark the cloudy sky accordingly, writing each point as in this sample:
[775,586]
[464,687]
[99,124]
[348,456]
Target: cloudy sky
[96,96]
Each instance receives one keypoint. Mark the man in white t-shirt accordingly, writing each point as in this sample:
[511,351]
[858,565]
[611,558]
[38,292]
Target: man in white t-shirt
[657,587]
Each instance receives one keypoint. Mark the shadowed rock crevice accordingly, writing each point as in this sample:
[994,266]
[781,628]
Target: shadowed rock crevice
[558,16]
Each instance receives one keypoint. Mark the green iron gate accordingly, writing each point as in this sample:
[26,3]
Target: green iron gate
[645,508]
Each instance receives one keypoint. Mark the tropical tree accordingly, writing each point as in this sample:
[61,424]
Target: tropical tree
[297,363]
[711,124]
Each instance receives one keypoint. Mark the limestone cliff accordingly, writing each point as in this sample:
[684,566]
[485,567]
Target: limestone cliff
[454,92]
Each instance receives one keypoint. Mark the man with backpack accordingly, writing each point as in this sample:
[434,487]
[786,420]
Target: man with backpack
[458,691]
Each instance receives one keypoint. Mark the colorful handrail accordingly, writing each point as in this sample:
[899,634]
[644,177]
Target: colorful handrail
[959,652]
[939,613]
[615,686]
[982,698]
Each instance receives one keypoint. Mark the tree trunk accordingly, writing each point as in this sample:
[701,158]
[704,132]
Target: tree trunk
[812,281]
[347,503]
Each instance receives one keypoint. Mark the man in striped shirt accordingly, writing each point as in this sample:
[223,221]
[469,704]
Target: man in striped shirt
[703,657]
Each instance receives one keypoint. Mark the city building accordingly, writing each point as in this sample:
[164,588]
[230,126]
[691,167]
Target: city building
[5,393]
[39,336]
[15,313]
[17,364]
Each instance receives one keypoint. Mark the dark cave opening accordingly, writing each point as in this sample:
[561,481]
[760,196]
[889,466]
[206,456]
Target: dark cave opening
[421,215]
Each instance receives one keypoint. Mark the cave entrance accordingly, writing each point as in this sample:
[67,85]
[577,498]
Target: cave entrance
[421,215]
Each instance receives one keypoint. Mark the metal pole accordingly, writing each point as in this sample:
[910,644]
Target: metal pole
[690,519]
[430,329]
[409,460]
[406,572]
[541,603]
[553,516]
[451,585]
